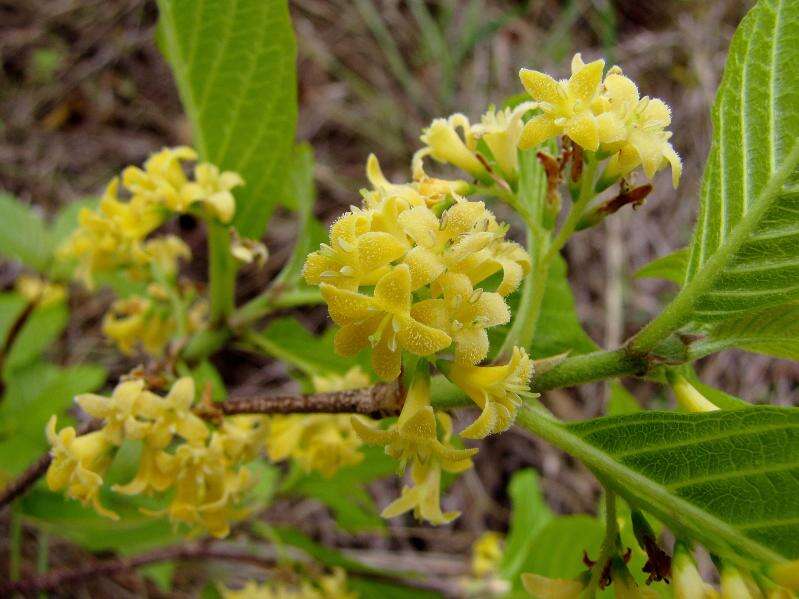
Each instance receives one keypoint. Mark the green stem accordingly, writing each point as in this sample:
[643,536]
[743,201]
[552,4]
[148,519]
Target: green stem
[679,311]
[577,209]
[221,272]
[522,331]
[610,544]
[271,300]
[595,366]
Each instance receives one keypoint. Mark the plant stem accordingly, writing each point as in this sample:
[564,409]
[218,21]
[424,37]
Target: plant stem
[680,310]
[577,209]
[610,544]
[271,300]
[221,272]
[595,366]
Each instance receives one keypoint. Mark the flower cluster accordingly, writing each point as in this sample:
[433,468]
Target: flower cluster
[601,114]
[149,321]
[331,586]
[114,236]
[318,442]
[202,468]
[421,438]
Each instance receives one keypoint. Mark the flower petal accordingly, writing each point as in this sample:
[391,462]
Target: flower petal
[584,84]
[421,339]
[471,345]
[584,131]
[393,291]
[376,249]
[540,86]
[537,130]
[385,361]
[346,306]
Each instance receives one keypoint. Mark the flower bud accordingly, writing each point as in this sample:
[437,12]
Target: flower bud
[689,399]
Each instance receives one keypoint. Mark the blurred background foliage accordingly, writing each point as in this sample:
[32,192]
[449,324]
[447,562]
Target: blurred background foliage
[84,91]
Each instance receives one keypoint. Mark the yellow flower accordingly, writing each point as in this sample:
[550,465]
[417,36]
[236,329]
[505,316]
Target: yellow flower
[496,389]
[244,437]
[643,139]
[356,255]
[501,130]
[110,237]
[37,290]
[450,243]
[541,587]
[737,585]
[786,574]
[249,251]
[414,438]
[157,469]
[207,488]
[164,252]
[332,586]
[624,585]
[212,187]
[687,582]
[383,320]
[137,320]
[689,399]
[423,497]
[120,411]
[319,442]
[172,415]
[487,554]
[78,465]
[444,144]
[163,180]
[507,256]
[566,105]
[464,313]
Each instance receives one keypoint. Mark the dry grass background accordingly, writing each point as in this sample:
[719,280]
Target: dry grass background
[84,91]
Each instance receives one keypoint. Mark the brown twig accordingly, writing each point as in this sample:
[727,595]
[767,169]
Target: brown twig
[11,337]
[35,471]
[378,401]
[61,577]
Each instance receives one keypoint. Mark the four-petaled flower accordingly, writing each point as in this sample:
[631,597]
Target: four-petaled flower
[383,321]
[498,390]
[566,106]
[465,313]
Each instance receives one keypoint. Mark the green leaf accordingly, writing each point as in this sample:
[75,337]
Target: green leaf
[745,252]
[234,64]
[355,510]
[23,234]
[11,307]
[670,267]
[771,331]
[134,532]
[621,401]
[300,196]
[558,547]
[530,513]
[559,329]
[43,327]
[33,394]
[728,479]
[288,340]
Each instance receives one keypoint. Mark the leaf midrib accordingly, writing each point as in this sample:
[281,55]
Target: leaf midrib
[652,496]
[678,312]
